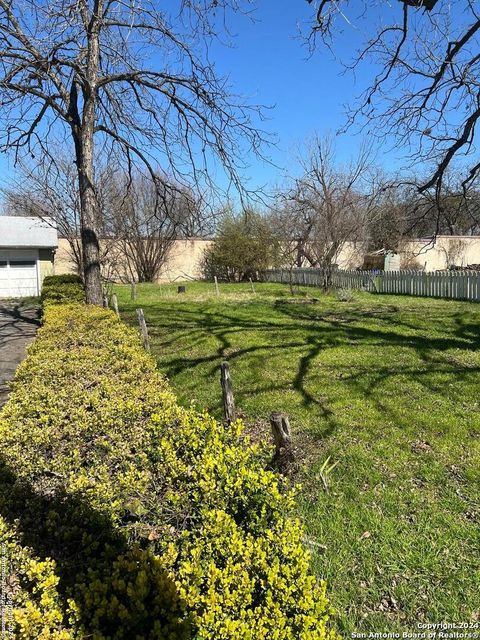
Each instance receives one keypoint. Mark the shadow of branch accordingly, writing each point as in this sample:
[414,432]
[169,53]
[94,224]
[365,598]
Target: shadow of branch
[120,589]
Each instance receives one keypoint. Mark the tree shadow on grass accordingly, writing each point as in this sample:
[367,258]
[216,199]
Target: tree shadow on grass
[299,384]
[388,333]
[468,329]
[222,326]
[94,562]
[313,330]
[434,361]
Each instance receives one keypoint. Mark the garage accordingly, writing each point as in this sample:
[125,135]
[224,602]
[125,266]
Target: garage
[27,249]
[18,274]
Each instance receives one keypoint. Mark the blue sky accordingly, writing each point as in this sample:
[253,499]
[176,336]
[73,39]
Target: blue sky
[269,64]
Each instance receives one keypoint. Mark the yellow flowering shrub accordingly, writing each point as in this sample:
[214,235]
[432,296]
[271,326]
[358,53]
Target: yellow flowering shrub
[31,606]
[128,517]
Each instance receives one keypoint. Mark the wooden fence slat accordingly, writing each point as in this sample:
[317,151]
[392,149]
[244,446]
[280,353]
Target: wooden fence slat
[454,285]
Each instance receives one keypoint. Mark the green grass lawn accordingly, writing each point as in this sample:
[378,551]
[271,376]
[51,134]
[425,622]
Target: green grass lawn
[386,386]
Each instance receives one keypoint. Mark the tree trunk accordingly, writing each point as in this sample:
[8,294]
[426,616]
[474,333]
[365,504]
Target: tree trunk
[90,244]
[290,280]
[84,129]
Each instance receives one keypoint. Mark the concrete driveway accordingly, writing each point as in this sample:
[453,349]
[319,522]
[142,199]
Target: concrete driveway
[18,325]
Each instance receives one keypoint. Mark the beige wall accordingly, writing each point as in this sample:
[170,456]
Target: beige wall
[423,254]
[186,256]
[447,250]
[62,262]
[183,262]
[351,255]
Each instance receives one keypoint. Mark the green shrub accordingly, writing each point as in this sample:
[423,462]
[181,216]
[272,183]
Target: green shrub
[63,278]
[63,288]
[127,516]
[245,247]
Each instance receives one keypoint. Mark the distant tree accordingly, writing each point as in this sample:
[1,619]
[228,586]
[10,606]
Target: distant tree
[144,228]
[455,210]
[392,220]
[50,193]
[129,79]
[138,228]
[245,247]
[328,206]
[292,235]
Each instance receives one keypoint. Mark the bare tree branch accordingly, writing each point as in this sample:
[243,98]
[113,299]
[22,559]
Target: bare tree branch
[426,95]
[127,77]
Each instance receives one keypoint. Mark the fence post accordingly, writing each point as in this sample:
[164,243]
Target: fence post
[133,291]
[115,304]
[143,329]
[227,393]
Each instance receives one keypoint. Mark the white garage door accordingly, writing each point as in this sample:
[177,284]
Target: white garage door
[18,273]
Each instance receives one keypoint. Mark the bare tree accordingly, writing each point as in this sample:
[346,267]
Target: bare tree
[455,210]
[292,235]
[138,228]
[144,228]
[50,191]
[132,79]
[395,216]
[50,195]
[425,92]
[331,205]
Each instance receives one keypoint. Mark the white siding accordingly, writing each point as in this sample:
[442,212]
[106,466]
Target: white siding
[19,273]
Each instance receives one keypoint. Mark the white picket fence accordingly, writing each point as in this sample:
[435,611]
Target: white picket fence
[456,285]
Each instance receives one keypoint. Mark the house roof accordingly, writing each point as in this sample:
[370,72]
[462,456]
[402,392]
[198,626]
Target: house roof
[19,231]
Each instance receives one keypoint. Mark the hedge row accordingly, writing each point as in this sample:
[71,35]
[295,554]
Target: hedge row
[123,515]
[61,289]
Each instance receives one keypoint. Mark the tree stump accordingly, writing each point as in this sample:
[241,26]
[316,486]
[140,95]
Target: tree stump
[281,430]
[284,455]
[143,329]
[227,392]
